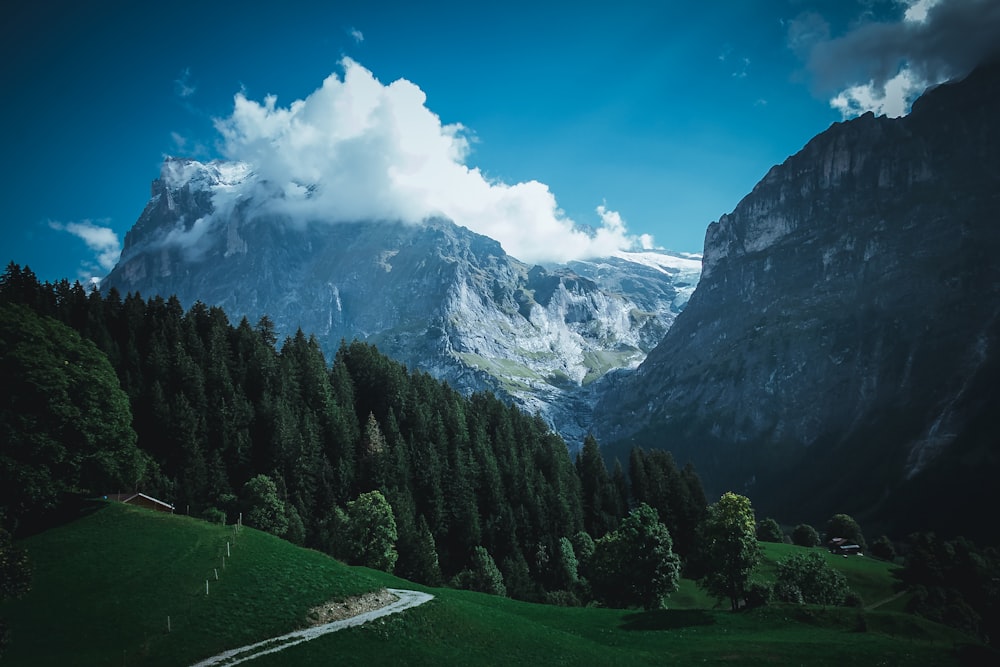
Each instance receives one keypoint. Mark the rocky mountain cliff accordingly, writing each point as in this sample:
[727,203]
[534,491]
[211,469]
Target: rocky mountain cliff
[841,350]
[434,296]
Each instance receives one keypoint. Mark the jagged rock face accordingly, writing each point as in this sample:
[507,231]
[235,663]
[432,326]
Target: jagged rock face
[845,325]
[434,296]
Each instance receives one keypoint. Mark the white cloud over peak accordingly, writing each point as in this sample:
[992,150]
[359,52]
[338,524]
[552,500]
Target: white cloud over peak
[892,99]
[357,149]
[102,241]
[883,66]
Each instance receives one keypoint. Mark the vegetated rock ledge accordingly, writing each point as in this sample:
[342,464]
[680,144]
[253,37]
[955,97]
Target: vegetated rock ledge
[337,610]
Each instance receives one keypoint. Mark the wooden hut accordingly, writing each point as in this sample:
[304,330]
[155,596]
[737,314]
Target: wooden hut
[142,500]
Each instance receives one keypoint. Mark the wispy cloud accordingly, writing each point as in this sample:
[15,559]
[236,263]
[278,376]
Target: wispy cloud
[741,63]
[179,140]
[357,149]
[883,66]
[102,241]
[743,66]
[356,35]
[182,145]
[183,87]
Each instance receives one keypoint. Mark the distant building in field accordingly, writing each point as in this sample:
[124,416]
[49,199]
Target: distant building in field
[840,545]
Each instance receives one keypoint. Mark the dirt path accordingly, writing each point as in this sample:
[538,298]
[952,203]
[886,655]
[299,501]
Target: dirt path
[886,601]
[404,600]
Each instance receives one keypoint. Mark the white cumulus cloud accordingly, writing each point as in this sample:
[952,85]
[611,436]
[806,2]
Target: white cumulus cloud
[916,10]
[102,241]
[358,149]
[892,99]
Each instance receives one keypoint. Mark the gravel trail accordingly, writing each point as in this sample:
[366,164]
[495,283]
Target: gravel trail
[405,600]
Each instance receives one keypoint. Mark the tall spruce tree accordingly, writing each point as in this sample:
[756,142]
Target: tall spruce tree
[600,508]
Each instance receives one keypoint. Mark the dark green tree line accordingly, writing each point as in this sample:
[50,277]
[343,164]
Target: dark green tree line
[225,418]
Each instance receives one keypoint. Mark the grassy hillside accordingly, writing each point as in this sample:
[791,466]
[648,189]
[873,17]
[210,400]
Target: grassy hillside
[104,585]
[869,577]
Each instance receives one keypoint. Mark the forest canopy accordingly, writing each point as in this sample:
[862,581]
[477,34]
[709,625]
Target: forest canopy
[228,420]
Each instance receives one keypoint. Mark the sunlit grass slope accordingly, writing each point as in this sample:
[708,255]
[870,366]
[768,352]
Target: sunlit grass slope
[105,584]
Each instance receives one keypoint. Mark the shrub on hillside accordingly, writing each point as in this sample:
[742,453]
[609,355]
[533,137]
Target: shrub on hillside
[768,530]
[805,535]
[562,599]
[214,515]
[808,578]
[758,594]
[882,548]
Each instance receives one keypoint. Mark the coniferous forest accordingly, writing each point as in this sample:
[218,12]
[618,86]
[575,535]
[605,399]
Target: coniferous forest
[383,466]
[227,419]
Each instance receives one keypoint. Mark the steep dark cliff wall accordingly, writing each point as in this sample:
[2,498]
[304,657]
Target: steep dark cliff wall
[842,344]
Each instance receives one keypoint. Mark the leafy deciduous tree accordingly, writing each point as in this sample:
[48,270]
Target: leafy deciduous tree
[768,530]
[883,548]
[809,578]
[635,564]
[65,423]
[843,525]
[729,544]
[954,582]
[805,535]
[567,567]
[265,510]
[372,530]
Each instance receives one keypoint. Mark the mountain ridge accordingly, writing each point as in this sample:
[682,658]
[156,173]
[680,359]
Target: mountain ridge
[846,308]
[435,296]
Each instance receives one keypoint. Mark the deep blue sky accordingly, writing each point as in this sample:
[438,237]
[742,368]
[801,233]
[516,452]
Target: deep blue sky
[667,113]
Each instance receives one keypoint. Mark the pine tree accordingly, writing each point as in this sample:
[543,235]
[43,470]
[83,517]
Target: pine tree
[484,575]
[598,492]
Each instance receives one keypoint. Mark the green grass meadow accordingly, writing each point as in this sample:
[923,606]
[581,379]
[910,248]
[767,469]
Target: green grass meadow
[869,577]
[104,585]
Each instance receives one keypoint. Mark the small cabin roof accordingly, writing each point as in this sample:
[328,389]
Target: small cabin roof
[129,497]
